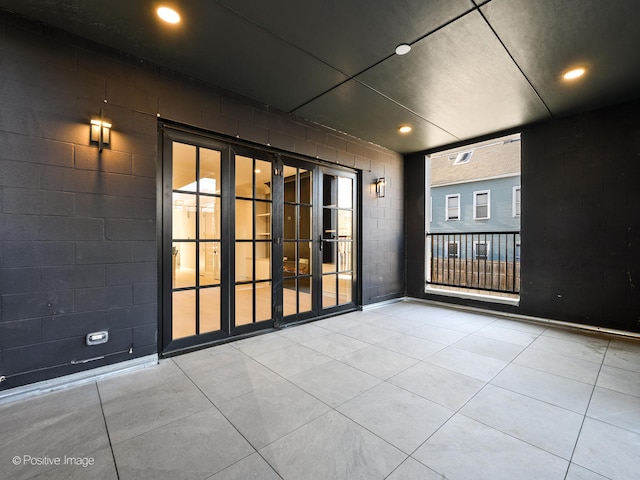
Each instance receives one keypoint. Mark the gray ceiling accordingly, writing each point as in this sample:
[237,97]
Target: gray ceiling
[475,67]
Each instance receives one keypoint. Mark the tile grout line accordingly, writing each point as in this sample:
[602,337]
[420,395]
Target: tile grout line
[584,417]
[410,455]
[540,371]
[332,408]
[458,411]
[547,373]
[539,335]
[255,450]
[162,425]
[106,427]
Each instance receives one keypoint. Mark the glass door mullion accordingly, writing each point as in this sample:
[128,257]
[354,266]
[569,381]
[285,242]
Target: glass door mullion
[197,245]
[317,242]
[277,241]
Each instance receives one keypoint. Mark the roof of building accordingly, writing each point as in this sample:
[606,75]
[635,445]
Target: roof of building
[498,157]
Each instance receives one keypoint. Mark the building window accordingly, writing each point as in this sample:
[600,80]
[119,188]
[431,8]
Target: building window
[453,250]
[481,250]
[481,210]
[453,207]
[516,202]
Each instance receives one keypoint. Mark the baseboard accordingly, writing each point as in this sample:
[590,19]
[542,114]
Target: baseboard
[527,318]
[484,297]
[76,379]
[383,303]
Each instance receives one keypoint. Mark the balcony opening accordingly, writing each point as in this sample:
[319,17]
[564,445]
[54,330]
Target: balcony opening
[473,243]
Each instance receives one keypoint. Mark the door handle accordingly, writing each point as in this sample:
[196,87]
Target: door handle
[320,240]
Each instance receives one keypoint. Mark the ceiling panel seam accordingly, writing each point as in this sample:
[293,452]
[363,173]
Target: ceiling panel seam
[486,20]
[405,108]
[241,15]
[353,77]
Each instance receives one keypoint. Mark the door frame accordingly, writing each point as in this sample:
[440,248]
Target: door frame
[356,229]
[168,132]
[255,153]
[319,171]
[167,345]
[314,313]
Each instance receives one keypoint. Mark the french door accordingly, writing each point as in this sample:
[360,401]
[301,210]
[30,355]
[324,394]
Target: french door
[318,241]
[250,240]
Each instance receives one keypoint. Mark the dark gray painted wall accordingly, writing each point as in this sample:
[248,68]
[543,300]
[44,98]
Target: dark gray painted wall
[78,229]
[415,228]
[580,221]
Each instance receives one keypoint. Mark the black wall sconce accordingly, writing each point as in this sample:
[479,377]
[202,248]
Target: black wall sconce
[100,131]
[381,187]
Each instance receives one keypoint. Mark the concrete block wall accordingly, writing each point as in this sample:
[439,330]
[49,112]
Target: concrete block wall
[78,227]
[581,218]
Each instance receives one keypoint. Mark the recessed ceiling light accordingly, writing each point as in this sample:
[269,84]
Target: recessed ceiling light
[574,73]
[169,15]
[404,128]
[403,49]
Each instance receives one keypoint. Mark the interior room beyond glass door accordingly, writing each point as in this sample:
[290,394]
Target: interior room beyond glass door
[252,246]
[297,261]
[250,240]
[319,257]
[337,246]
[196,240]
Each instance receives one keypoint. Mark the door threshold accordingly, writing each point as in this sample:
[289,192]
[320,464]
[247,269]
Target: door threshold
[493,297]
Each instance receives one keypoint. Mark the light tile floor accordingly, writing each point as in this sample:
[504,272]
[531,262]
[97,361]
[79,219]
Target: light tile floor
[403,391]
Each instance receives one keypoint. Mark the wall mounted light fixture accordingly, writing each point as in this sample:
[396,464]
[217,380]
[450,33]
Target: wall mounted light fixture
[381,187]
[100,131]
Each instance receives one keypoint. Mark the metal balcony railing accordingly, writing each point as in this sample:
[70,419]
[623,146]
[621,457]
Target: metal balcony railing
[488,261]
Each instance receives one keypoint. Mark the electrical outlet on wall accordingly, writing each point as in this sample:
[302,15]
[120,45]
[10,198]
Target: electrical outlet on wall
[97,338]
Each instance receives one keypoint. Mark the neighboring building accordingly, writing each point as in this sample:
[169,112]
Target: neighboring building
[476,189]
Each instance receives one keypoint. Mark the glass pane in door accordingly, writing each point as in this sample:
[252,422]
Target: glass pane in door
[195,246]
[297,251]
[183,313]
[210,309]
[337,240]
[253,206]
[329,290]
